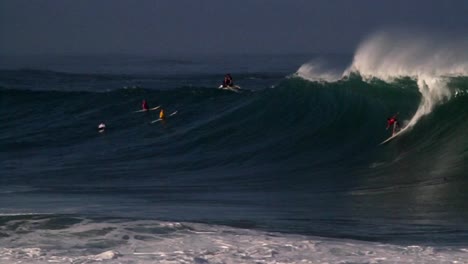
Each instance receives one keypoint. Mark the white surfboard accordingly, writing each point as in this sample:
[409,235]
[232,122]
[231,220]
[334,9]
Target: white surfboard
[151,109]
[234,88]
[392,137]
[388,140]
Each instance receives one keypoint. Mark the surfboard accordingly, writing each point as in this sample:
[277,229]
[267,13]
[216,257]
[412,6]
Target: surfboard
[151,109]
[391,138]
[234,88]
[388,140]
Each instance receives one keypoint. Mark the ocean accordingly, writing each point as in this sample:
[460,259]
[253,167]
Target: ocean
[289,170]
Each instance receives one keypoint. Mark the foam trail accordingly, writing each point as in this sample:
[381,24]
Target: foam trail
[430,61]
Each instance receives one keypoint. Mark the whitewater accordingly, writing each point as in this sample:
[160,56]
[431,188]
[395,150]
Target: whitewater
[391,55]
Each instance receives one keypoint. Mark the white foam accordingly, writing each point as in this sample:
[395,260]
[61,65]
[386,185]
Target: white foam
[389,55]
[140,242]
[428,59]
[110,254]
[318,71]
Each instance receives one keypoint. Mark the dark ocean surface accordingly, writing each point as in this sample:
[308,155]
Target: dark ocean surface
[289,169]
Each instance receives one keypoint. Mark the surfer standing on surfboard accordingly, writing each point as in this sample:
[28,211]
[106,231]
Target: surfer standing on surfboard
[393,121]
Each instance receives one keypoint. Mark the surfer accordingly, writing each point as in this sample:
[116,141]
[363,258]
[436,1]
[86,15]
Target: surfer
[228,81]
[393,121]
[144,105]
[162,115]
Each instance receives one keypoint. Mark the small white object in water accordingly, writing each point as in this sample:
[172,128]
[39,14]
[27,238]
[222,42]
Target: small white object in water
[101,127]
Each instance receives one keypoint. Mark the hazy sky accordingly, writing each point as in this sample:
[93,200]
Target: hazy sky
[205,26]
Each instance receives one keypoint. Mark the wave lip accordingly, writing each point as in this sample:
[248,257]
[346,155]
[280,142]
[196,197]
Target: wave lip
[318,70]
[390,55]
[387,55]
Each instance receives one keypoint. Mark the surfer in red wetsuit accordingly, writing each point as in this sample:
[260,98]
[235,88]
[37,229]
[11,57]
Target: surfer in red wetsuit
[144,105]
[393,121]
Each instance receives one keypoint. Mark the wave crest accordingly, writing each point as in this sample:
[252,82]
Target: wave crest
[428,59]
[318,71]
[388,55]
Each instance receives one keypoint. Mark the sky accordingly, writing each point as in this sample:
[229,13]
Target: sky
[214,26]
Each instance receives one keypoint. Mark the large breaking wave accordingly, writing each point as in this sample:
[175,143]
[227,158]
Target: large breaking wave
[302,158]
[433,61]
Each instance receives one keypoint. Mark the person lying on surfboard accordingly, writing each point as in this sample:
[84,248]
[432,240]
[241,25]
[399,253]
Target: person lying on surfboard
[393,121]
[228,81]
[144,105]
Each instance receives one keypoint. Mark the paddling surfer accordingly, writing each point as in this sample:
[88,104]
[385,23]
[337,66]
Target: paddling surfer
[228,81]
[144,106]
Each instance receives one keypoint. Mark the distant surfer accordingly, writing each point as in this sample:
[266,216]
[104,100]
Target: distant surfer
[162,115]
[101,127]
[393,121]
[228,81]
[144,106]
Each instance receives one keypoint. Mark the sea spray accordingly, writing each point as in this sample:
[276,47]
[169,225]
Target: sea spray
[319,70]
[427,59]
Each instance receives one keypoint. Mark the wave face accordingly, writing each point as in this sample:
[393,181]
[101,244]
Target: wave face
[290,154]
